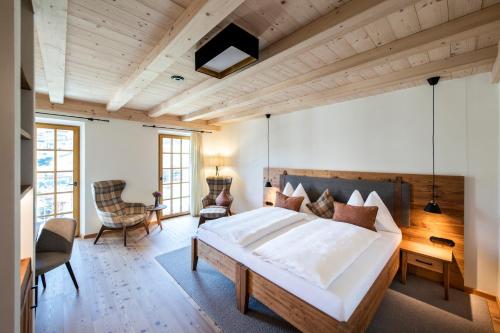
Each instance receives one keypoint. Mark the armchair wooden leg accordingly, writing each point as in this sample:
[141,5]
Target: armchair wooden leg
[201,220]
[70,270]
[124,235]
[44,283]
[99,234]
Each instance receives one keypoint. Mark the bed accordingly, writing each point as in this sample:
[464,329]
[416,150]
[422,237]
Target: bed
[349,302]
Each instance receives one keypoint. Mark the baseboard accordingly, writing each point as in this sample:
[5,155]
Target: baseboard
[470,290]
[87,236]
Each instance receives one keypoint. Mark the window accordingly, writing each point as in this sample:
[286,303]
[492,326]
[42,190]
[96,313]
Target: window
[57,172]
[175,173]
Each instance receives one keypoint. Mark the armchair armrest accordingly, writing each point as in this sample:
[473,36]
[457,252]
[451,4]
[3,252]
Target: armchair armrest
[134,208]
[207,201]
[109,218]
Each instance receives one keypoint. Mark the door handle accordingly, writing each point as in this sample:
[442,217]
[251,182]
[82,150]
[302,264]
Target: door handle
[75,184]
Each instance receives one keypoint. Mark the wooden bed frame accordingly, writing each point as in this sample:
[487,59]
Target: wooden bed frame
[297,312]
[307,318]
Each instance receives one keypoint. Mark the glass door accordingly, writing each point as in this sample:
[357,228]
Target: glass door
[57,172]
[175,173]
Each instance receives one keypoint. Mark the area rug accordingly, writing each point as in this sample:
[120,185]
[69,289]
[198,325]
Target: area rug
[417,306]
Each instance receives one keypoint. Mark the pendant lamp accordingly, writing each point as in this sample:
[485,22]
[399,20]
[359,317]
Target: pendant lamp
[432,206]
[269,190]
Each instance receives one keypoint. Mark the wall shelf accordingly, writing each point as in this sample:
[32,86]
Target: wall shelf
[25,135]
[25,83]
[25,189]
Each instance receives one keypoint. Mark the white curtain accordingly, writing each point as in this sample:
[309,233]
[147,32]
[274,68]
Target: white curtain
[197,173]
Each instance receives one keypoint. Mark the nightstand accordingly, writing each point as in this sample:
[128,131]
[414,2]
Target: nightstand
[433,258]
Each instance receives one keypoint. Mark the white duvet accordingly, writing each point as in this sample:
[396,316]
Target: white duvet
[318,251]
[246,228]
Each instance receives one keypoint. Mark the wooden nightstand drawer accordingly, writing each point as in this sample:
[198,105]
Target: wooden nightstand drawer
[425,262]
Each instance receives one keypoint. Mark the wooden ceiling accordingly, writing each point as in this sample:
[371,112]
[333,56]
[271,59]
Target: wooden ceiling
[122,53]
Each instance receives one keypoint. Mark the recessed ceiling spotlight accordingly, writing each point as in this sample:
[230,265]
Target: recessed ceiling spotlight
[177,78]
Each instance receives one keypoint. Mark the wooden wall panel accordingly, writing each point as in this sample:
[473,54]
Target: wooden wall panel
[449,195]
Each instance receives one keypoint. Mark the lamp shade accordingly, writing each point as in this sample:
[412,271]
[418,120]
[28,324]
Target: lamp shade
[432,207]
[216,161]
[270,195]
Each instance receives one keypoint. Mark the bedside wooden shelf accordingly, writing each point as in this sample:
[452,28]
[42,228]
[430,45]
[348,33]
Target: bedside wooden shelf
[432,258]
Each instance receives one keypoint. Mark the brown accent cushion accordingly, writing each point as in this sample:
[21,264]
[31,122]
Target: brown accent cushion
[223,199]
[362,216]
[284,201]
[323,207]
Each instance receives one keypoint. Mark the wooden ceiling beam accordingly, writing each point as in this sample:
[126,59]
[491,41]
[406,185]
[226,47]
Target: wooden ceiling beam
[350,16]
[468,26]
[199,18]
[51,25]
[442,67]
[98,110]
[495,72]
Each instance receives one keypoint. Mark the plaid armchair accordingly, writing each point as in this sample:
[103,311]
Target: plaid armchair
[113,212]
[216,185]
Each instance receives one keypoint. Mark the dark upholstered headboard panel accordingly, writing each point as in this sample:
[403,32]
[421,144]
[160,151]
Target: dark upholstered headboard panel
[396,195]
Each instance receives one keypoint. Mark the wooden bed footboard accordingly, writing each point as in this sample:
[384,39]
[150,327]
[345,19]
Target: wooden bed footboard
[226,265]
[297,312]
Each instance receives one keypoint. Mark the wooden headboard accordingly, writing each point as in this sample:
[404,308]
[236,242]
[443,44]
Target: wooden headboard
[449,195]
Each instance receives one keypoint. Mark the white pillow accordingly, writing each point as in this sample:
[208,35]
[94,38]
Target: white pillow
[288,190]
[384,220]
[356,199]
[300,192]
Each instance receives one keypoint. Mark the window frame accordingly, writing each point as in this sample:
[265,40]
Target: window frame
[162,136]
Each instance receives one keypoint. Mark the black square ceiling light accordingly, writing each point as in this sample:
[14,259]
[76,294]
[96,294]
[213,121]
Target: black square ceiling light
[230,50]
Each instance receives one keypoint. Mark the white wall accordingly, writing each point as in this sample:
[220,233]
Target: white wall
[498,203]
[115,150]
[120,150]
[388,133]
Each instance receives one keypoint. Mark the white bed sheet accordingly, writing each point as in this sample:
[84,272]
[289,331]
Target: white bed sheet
[343,295]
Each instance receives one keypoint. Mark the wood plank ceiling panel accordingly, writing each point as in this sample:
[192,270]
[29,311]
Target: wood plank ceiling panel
[431,12]
[404,22]
[107,40]
[421,58]
[269,21]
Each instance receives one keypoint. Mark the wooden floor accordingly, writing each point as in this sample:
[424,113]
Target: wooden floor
[122,289]
[495,315]
[126,290]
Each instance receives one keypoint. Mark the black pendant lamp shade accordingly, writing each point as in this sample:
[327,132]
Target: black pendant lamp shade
[268,183]
[432,206]
[230,50]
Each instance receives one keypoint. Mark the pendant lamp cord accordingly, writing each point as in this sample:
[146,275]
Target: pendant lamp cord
[433,163]
[268,148]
